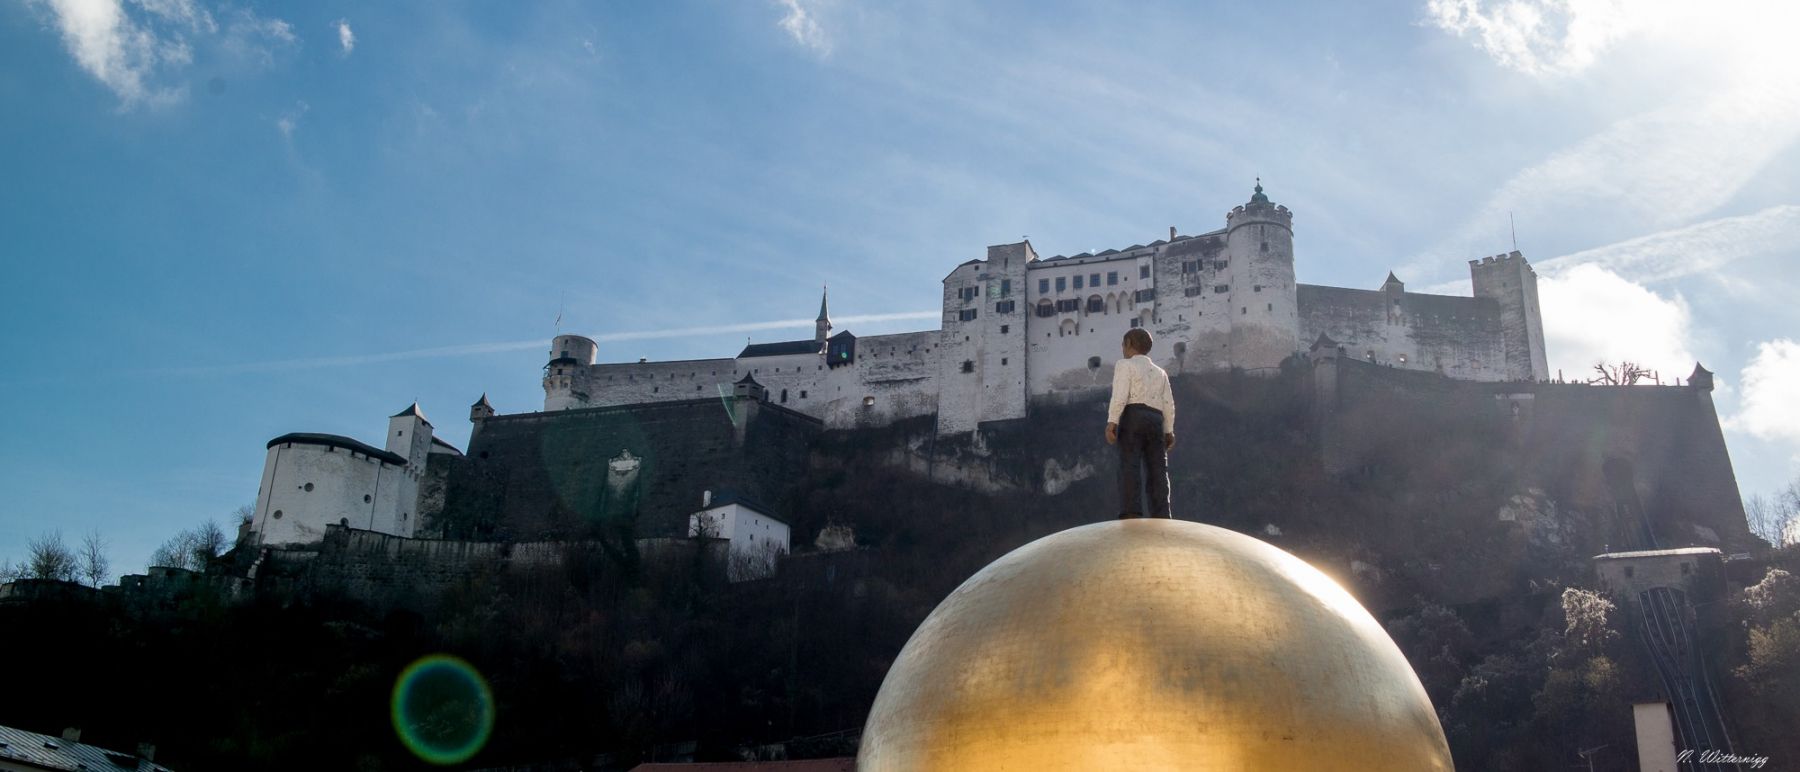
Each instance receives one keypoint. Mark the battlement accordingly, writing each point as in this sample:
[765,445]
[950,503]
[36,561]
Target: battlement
[1492,261]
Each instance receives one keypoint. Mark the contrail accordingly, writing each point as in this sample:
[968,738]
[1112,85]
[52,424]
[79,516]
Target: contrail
[310,363]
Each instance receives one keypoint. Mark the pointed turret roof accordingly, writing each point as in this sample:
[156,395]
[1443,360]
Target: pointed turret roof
[747,379]
[822,315]
[1258,197]
[483,402]
[413,410]
[1392,279]
[1701,378]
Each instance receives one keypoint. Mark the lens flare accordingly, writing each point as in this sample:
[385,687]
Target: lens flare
[442,709]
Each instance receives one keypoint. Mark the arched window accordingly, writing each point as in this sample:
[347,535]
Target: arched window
[1069,327]
[784,396]
[1096,304]
[1045,308]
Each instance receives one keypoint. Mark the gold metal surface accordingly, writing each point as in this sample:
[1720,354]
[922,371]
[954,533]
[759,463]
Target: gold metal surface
[1151,644]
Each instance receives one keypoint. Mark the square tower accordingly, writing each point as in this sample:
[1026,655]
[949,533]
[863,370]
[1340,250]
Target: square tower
[1509,280]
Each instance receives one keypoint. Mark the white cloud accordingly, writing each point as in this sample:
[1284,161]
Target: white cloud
[116,50]
[346,38]
[1700,249]
[254,41]
[290,120]
[128,47]
[1540,37]
[1769,408]
[801,24]
[1592,315]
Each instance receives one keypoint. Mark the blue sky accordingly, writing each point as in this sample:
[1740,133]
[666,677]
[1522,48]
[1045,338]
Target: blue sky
[224,222]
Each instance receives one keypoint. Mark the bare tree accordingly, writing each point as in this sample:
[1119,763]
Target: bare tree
[191,549]
[46,557]
[93,565]
[1623,374]
[8,571]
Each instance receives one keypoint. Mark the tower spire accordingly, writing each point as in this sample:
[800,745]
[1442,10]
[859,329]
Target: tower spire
[822,327]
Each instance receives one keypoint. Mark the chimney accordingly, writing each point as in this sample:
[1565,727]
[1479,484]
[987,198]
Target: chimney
[705,499]
[147,751]
[1171,233]
[72,734]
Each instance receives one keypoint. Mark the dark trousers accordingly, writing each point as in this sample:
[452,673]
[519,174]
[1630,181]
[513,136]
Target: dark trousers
[1142,454]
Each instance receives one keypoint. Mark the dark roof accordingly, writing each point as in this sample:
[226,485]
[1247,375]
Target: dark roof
[335,441]
[747,379]
[822,315]
[1392,279]
[724,498]
[413,410]
[436,440]
[18,746]
[1324,341]
[844,334]
[783,348]
[482,402]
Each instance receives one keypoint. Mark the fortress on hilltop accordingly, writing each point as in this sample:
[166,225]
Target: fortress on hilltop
[655,447]
[1018,328]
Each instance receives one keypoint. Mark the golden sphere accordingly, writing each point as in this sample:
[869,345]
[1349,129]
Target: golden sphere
[1151,644]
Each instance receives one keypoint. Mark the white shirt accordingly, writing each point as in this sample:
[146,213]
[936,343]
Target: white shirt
[1139,380]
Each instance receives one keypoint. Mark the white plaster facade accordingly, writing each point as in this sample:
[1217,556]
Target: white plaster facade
[310,481]
[756,539]
[1018,329]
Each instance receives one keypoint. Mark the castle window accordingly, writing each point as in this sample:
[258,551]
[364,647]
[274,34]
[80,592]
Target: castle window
[1244,311]
[1112,277]
[1257,288]
[1191,291]
[1265,246]
[970,293]
[1005,287]
[1220,266]
[1005,328]
[1271,306]
[1046,308]
[1136,322]
[1043,286]
[366,498]
[1144,271]
[277,514]
[1002,361]
[1004,307]
[968,365]
[1145,295]
[308,487]
[1188,266]
[1062,283]
[803,394]
[1078,280]
[966,315]
[1096,304]
[1093,280]
[1068,306]
[344,521]
[1093,363]
[1220,289]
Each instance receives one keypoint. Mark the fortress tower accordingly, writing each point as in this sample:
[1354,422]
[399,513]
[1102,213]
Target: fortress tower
[1259,239]
[1509,280]
[981,367]
[822,326]
[570,355]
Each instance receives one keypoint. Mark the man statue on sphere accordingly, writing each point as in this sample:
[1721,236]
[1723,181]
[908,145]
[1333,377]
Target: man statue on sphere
[1141,421]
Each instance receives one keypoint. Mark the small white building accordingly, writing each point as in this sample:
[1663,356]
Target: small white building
[310,481]
[756,539]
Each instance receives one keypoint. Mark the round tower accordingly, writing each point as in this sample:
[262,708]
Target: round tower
[1265,319]
[570,356]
